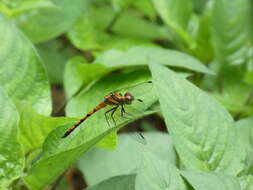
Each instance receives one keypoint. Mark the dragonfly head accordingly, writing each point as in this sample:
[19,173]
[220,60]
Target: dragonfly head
[128,98]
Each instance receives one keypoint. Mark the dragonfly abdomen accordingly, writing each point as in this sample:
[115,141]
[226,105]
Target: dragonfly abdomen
[71,129]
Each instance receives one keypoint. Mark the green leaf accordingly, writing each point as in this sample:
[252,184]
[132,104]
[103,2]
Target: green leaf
[199,5]
[147,7]
[54,54]
[44,24]
[231,37]
[176,16]
[123,182]
[155,173]
[246,182]
[79,74]
[230,22]
[34,127]
[203,132]
[59,153]
[22,68]
[245,131]
[211,180]
[12,157]
[57,156]
[90,30]
[173,13]
[140,55]
[203,49]
[16,8]
[119,162]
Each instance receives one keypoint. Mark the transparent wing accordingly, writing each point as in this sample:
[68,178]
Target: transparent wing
[136,87]
[143,95]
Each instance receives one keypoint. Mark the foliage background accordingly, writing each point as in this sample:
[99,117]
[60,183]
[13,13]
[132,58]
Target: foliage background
[197,120]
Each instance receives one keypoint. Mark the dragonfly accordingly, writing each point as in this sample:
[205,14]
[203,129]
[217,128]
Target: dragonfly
[117,100]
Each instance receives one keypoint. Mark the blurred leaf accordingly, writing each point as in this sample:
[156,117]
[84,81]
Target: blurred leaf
[155,173]
[58,153]
[15,8]
[211,180]
[90,30]
[34,127]
[199,5]
[146,6]
[248,78]
[123,182]
[78,74]
[203,49]
[55,55]
[246,182]
[230,30]
[141,55]
[12,157]
[121,4]
[202,130]
[176,16]
[45,24]
[173,13]
[245,131]
[22,68]
[231,37]
[230,22]
[237,99]
[95,162]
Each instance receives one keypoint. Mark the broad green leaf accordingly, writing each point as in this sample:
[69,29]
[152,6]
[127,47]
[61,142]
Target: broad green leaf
[230,22]
[158,174]
[54,54]
[140,55]
[45,24]
[79,74]
[123,182]
[56,162]
[176,16]
[245,130]
[90,30]
[11,157]
[246,182]
[34,127]
[59,153]
[15,8]
[22,74]
[203,132]
[118,162]
[211,180]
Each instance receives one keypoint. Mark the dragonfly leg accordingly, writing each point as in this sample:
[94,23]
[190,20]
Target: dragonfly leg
[123,111]
[115,108]
[106,116]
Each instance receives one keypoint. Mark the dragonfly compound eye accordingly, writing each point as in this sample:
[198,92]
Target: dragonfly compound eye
[128,98]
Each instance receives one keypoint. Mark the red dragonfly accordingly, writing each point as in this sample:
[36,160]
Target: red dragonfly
[115,99]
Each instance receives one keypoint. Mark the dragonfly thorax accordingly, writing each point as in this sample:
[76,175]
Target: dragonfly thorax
[118,99]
